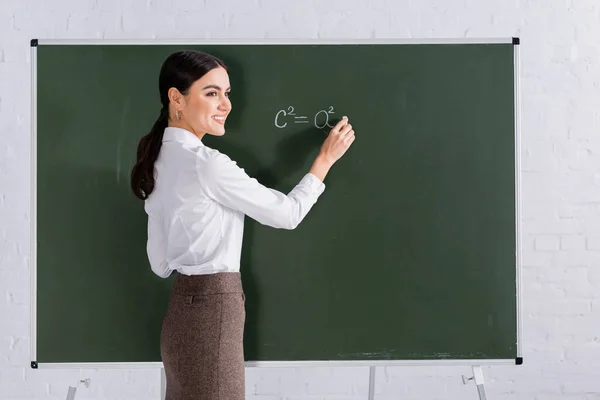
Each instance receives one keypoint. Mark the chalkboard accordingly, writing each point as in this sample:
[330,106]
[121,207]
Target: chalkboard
[411,253]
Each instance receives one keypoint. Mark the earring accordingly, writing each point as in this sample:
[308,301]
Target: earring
[177,115]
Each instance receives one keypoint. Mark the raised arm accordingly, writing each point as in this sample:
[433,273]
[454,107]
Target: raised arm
[227,183]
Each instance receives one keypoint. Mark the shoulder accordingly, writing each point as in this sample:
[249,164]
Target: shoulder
[212,163]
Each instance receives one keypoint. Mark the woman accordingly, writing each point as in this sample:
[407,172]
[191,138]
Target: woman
[196,199]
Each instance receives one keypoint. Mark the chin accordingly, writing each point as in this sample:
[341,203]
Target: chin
[213,133]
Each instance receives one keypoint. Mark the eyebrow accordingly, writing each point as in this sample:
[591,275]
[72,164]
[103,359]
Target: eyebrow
[214,87]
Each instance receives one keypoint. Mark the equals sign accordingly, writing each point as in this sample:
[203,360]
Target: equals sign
[302,120]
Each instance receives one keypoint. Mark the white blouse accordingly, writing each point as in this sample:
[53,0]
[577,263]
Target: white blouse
[196,210]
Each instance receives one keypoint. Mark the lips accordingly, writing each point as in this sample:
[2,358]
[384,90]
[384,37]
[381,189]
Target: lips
[219,118]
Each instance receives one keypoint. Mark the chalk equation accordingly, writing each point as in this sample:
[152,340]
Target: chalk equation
[320,120]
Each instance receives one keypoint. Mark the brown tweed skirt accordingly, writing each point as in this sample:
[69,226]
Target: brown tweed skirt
[202,338]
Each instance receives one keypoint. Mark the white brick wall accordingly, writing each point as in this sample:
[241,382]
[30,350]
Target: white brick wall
[560,54]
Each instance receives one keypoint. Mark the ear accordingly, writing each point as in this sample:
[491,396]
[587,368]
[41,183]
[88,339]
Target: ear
[176,98]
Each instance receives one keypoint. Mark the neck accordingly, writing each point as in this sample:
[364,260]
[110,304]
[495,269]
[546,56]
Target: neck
[187,127]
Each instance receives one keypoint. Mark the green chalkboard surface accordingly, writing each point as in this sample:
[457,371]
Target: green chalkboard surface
[409,254]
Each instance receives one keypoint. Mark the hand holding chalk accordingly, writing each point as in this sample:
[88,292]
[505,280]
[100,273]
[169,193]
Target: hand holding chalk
[338,141]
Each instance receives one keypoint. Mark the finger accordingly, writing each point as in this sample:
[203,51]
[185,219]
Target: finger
[340,124]
[346,129]
[347,133]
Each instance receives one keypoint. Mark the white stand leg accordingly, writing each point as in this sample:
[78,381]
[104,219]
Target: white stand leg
[163,384]
[478,378]
[478,375]
[371,383]
[73,389]
[71,393]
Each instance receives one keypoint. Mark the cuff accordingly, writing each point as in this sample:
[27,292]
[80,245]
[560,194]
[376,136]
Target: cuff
[313,184]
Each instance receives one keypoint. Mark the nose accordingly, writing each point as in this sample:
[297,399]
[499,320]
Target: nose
[225,104]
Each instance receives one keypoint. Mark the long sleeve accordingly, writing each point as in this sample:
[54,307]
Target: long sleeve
[156,247]
[225,182]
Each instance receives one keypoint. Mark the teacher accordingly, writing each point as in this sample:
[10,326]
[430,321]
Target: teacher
[196,199]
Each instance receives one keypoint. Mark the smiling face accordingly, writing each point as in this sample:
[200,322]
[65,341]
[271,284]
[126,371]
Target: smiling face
[205,107]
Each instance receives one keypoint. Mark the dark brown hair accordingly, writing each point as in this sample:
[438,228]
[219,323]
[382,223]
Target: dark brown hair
[180,70]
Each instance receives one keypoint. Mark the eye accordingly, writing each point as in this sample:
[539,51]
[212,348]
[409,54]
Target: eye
[227,94]
[211,93]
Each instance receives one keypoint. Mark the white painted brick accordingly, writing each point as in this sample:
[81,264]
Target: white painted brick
[579,187]
[349,23]
[546,357]
[581,290]
[528,242]
[186,25]
[19,351]
[268,384]
[537,259]
[536,386]
[576,329]
[540,156]
[596,305]
[565,277]
[82,22]
[568,340]
[306,25]
[594,275]
[593,242]
[18,296]
[15,319]
[14,374]
[423,388]
[243,24]
[543,291]
[555,226]
[579,155]
[576,258]
[539,328]
[547,243]
[162,26]
[596,177]
[298,380]
[18,390]
[338,381]
[572,242]
[587,354]
[586,384]
[564,307]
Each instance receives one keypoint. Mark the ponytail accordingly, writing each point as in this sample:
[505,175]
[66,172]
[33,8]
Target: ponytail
[142,174]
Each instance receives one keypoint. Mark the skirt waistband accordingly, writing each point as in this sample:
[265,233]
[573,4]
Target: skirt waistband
[222,282]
